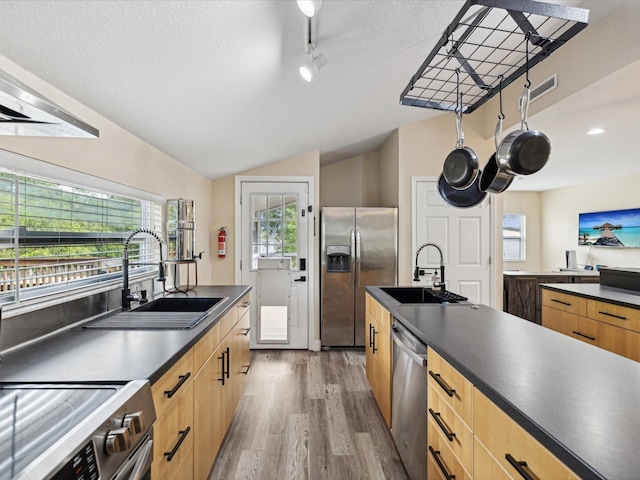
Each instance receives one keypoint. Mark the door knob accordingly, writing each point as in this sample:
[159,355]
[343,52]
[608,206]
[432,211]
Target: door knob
[301,279]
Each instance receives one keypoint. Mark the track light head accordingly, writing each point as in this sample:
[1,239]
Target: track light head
[309,7]
[309,70]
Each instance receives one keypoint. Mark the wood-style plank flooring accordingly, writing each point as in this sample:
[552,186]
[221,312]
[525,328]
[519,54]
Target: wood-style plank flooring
[308,415]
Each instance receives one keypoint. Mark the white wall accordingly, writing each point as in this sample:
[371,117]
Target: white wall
[560,209]
[528,203]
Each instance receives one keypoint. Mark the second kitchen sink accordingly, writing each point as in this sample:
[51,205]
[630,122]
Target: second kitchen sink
[421,295]
[166,313]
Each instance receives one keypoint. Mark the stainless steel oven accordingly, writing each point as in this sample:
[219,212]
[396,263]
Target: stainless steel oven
[73,432]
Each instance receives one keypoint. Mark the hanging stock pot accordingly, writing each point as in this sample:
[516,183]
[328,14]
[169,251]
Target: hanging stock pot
[523,151]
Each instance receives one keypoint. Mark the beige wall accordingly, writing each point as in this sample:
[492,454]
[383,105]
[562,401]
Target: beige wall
[351,183]
[529,203]
[389,162]
[117,156]
[423,147]
[560,209]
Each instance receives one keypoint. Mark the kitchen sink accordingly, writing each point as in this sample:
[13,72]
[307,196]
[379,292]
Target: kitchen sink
[178,304]
[167,313]
[421,295]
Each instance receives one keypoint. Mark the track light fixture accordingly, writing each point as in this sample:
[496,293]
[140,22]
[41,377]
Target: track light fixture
[309,70]
[309,7]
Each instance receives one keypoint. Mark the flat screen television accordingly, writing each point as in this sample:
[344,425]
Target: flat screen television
[613,228]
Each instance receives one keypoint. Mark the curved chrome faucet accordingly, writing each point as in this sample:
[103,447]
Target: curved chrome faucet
[126,292]
[416,271]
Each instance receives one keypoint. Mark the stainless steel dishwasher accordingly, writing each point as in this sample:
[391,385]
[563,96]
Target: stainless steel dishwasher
[409,401]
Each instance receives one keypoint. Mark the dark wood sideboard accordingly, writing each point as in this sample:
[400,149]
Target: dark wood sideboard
[522,295]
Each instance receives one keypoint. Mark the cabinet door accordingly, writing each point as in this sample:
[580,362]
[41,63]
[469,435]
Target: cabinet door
[370,326]
[384,359]
[208,423]
[522,297]
[485,467]
[227,391]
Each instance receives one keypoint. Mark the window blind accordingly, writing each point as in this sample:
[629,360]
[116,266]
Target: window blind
[56,236]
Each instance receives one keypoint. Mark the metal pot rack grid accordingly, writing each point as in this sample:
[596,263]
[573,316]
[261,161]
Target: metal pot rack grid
[488,40]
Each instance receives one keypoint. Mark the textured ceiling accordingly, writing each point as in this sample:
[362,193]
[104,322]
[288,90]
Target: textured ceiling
[215,85]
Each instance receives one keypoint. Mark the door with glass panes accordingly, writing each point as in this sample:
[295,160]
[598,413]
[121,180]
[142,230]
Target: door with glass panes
[274,256]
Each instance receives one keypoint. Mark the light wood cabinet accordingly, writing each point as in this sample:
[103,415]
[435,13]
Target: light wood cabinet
[379,357]
[485,467]
[514,449]
[454,388]
[196,398]
[612,327]
[173,434]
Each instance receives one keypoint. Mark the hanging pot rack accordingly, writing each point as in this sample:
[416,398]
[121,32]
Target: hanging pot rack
[487,41]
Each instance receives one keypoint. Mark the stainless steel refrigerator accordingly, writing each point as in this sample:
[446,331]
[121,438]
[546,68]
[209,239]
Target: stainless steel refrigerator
[359,248]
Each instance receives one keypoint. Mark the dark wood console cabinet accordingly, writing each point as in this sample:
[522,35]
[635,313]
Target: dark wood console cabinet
[522,295]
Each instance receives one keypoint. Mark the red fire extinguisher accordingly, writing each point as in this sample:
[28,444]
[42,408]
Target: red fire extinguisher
[222,243]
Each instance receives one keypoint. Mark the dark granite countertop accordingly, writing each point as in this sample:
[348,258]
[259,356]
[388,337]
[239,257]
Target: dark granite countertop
[579,401]
[549,273]
[112,356]
[595,291]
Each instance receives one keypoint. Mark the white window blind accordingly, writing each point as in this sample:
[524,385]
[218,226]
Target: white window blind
[55,236]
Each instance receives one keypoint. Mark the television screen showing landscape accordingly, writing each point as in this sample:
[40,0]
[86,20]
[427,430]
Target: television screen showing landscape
[616,228]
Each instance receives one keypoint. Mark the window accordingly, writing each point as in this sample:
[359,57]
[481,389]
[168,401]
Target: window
[275,227]
[55,236]
[513,237]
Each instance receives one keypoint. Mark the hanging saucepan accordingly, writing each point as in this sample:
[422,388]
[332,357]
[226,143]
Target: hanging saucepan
[523,151]
[468,197]
[493,179]
[461,166]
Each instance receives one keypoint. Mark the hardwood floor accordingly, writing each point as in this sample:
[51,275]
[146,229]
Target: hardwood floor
[308,415]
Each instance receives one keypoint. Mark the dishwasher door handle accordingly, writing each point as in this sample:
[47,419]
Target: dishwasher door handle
[416,357]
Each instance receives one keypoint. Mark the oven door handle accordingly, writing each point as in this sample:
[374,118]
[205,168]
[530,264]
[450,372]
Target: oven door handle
[139,469]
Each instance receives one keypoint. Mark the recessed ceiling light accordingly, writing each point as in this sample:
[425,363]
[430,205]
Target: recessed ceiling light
[595,131]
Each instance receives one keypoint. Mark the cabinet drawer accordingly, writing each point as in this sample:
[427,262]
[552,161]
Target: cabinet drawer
[454,432]
[167,390]
[617,315]
[173,437]
[505,439]
[565,302]
[205,347]
[485,467]
[438,450]
[244,305]
[381,314]
[456,390]
[228,321]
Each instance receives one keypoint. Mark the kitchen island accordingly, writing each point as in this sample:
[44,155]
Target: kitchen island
[578,401]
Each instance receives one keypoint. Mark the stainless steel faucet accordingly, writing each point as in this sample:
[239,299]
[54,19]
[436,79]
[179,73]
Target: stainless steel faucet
[419,271]
[127,296]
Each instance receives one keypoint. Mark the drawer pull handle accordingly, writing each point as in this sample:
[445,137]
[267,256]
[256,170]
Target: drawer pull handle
[176,447]
[443,469]
[370,335]
[183,378]
[437,417]
[613,315]
[593,339]
[228,362]
[436,376]
[560,301]
[246,304]
[246,372]
[246,331]
[222,358]
[520,467]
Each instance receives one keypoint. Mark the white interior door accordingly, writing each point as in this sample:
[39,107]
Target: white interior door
[275,261]
[464,235]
